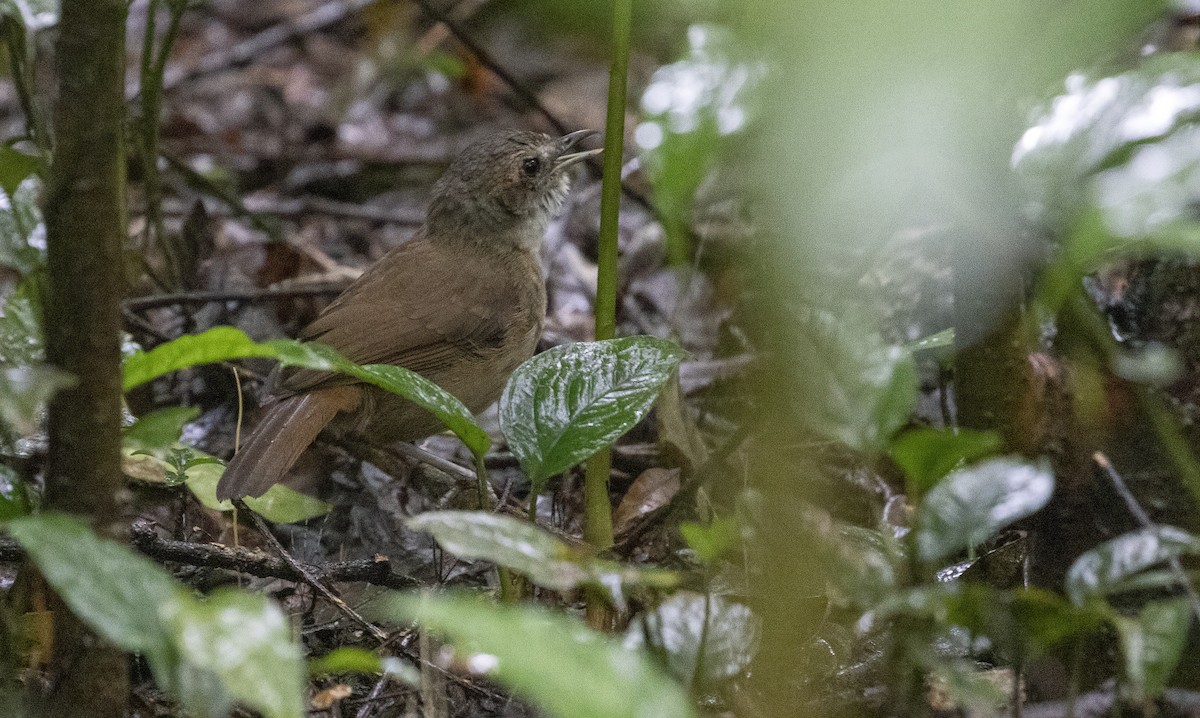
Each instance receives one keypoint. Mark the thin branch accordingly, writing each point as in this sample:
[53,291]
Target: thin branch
[1144,520]
[311,577]
[141,304]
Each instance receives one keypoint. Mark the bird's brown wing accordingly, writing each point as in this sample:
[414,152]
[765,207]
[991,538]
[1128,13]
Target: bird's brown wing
[418,307]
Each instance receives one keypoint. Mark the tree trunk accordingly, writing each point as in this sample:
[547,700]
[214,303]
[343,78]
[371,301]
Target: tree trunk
[86,228]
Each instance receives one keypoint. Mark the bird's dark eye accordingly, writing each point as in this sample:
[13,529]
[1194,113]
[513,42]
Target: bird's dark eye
[530,166]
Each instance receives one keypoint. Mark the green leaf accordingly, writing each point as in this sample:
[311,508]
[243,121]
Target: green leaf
[707,637]
[927,455]
[161,428]
[106,585]
[1103,568]
[350,659]
[21,325]
[15,168]
[564,405]
[14,499]
[245,641]
[861,388]
[531,551]
[280,505]
[226,343]
[1152,645]
[24,391]
[713,540]
[939,340]
[542,656]
[970,505]
[22,230]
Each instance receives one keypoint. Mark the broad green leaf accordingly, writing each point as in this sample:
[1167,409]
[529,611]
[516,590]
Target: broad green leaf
[280,505]
[245,641]
[226,343]
[543,656]
[861,389]
[24,391]
[927,455]
[1102,569]
[21,342]
[109,587]
[970,505]
[564,405]
[707,637]
[160,428]
[1152,644]
[350,659]
[22,230]
[15,168]
[531,551]
[14,501]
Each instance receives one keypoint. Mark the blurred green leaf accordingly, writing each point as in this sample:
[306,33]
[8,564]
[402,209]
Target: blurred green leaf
[227,343]
[1103,568]
[15,168]
[940,340]
[24,391]
[22,230]
[1152,644]
[160,428]
[926,455]
[14,499]
[246,641]
[713,540]
[533,552]
[542,655]
[21,341]
[970,505]
[350,659]
[709,638]
[565,404]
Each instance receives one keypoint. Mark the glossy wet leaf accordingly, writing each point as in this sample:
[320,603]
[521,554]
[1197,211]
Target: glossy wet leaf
[351,659]
[564,405]
[867,387]
[244,640]
[226,343]
[1105,567]
[542,656]
[970,505]
[710,638]
[927,454]
[1152,644]
[22,230]
[544,559]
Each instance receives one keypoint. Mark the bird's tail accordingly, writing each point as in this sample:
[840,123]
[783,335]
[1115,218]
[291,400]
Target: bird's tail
[289,427]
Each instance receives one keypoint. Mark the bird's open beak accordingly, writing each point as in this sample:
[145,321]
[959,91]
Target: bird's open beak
[568,142]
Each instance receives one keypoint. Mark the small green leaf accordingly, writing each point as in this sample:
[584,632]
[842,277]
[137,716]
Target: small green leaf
[15,167]
[24,390]
[709,637]
[927,455]
[245,641]
[970,505]
[1152,645]
[713,540]
[350,659]
[564,405]
[21,324]
[542,655]
[161,428]
[1105,567]
[14,500]
[226,343]
[280,505]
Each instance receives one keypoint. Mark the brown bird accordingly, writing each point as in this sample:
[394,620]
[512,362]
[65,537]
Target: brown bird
[461,303]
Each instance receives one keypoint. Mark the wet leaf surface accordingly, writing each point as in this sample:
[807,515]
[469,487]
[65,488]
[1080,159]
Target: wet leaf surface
[565,404]
[1104,568]
[704,638]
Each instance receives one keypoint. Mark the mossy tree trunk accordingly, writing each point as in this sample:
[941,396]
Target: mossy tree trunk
[86,227]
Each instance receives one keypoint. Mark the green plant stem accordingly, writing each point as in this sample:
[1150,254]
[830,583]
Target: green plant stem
[598,512]
[510,585]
